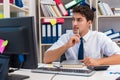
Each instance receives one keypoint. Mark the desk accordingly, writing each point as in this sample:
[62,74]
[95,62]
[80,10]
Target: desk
[99,75]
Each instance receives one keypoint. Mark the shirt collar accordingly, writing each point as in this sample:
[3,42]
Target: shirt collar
[86,36]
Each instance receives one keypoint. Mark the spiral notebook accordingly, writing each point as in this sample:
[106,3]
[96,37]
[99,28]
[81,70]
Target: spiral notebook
[72,64]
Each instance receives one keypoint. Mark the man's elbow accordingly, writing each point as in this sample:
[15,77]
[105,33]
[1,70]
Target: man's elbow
[45,59]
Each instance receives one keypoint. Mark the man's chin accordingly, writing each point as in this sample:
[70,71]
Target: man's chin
[75,32]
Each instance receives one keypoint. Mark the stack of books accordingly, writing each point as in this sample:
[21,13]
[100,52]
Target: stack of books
[115,36]
[52,8]
[104,8]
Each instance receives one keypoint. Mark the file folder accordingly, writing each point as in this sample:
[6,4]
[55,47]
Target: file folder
[54,34]
[115,35]
[49,33]
[109,32]
[61,7]
[72,4]
[44,33]
[59,30]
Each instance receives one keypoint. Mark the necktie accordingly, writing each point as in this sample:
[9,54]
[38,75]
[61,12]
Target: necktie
[81,50]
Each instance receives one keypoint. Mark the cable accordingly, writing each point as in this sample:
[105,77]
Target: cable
[53,76]
[21,59]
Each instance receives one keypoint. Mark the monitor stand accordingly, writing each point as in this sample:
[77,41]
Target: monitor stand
[17,77]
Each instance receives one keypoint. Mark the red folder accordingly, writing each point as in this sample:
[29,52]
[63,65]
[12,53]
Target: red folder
[47,20]
[12,1]
[61,7]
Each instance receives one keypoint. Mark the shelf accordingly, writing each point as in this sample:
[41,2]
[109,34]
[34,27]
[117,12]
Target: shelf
[46,44]
[58,17]
[13,8]
[113,16]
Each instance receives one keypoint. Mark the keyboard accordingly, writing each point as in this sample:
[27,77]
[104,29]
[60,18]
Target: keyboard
[75,72]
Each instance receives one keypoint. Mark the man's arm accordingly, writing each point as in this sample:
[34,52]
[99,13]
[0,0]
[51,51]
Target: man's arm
[114,59]
[55,54]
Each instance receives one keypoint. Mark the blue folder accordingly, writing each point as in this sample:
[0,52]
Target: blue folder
[44,33]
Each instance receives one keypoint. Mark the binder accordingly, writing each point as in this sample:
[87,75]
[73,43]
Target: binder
[61,7]
[19,3]
[109,32]
[44,33]
[49,33]
[70,12]
[108,9]
[72,4]
[54,33]
[59,30]
[115,35]
[102,8]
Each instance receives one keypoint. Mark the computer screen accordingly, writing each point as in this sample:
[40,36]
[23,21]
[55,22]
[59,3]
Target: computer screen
[21,36]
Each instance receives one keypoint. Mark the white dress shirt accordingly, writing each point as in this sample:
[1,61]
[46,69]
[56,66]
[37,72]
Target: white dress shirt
[95,45]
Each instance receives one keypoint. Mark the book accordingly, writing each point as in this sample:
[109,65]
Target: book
[102,8]
[61,7]
[107,8]
[115,35]
[72,3]
[116,11]
[109,32]
[72,64]
[50,9]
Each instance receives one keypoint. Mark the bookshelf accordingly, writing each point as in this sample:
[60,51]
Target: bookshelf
[101,22]
[106,22]
[7,8]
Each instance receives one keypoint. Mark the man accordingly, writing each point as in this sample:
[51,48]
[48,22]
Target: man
[84,44]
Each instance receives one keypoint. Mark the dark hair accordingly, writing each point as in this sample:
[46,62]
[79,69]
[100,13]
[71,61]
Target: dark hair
[84,11]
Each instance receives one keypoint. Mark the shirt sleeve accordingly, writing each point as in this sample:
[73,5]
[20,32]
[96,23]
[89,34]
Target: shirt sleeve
[60,42]
[109,47]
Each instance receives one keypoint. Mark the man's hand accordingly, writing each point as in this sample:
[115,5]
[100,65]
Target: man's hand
[73,40]
[90,62]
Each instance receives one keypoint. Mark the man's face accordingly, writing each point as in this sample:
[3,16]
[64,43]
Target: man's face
[80,23]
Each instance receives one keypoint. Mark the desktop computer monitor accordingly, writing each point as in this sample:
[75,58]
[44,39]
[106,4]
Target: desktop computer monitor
[22,44]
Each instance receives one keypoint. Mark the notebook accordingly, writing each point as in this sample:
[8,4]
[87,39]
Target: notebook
[72,64]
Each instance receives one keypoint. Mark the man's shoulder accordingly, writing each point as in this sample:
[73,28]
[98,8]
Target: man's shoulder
[100,36]
[97,33]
